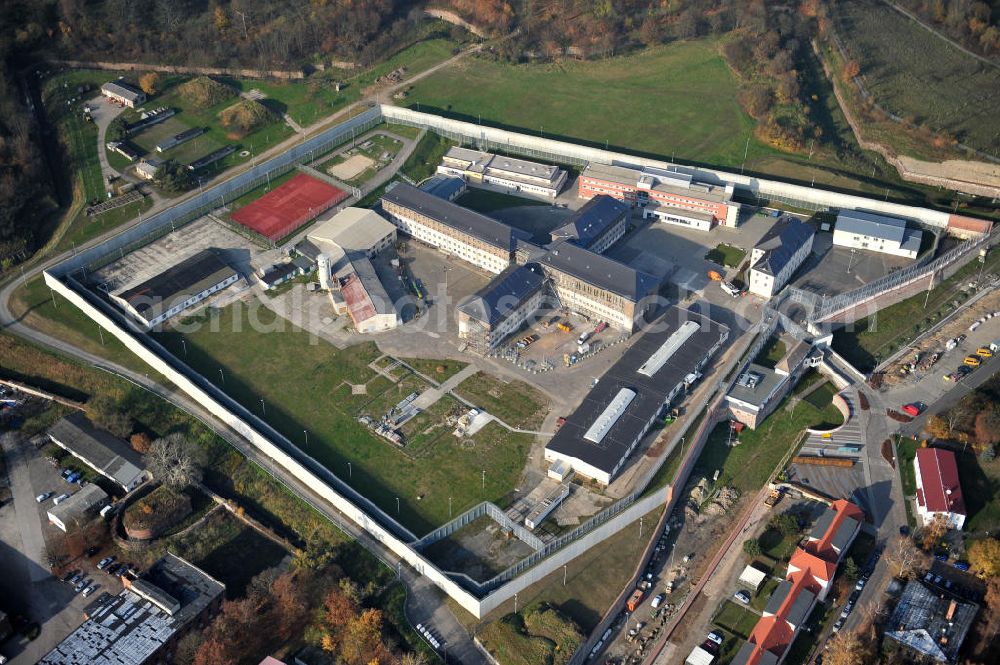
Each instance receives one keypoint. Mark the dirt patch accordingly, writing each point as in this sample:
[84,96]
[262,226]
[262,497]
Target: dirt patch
[887,453]
[351,167]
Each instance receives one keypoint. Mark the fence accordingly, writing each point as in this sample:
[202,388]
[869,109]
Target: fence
[483,509]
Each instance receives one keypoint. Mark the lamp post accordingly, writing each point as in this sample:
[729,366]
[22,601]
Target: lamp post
[449,507]
[306,432]
[350,471]
[263,410]
[184,346]
[222,376]
[397,505]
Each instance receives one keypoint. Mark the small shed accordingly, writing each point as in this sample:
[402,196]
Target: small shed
[700,656]
[561,471]
[752,577]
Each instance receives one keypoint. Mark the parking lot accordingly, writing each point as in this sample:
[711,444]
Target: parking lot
[831,270]
[31,594]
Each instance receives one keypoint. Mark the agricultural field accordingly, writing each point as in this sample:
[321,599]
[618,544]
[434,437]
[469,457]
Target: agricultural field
[920,77]
[312,387]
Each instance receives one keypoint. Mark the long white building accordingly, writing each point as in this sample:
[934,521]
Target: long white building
[876,233]
[517,176]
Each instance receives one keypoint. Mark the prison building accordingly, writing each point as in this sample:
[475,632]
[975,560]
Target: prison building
[808,579]
[778,254]
[499,309]
[934,622]
[78,509]
[598,286]
[544,508]
[599,224]
[106,454]
[143,623]
[599,436]
[468,235]
[368,304]
[123,93]
[515,176]
[448,188]
[176,289]
[759,390]
[669,196]
[876,233]
[939,492]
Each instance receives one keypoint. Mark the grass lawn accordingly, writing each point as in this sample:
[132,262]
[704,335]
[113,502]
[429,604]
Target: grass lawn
[759,600]
[430,367]
[981,489]
[514,402]
[85,228]
[305,385]
[749,465]
[906,452]
[726,255]
[484,200]
[772,353]
[737,619]
[821,398]
[777,546]
[870,340]
[424,160]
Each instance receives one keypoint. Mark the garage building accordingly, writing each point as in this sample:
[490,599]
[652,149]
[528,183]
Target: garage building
[78,509]
[106,454]
[123,93]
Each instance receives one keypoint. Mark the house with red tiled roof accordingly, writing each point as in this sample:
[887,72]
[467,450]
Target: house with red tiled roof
[938,489]
[808,580]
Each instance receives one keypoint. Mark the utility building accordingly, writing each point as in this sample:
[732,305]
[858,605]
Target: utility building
[78,509]
[597,439]
[877,233]
[177,288]
[122,93]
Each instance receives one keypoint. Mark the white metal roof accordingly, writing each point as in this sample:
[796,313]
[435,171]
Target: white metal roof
[699,656]
[610,415]
[752,577]
[668,348]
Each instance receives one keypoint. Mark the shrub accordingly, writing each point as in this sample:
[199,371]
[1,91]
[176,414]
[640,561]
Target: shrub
[203,92]
[244,117]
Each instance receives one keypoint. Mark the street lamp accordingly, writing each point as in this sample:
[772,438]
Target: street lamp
[449,507]
[222,376]
[350,471]
[263,410]
[184,346]
[397,505]
[306,432]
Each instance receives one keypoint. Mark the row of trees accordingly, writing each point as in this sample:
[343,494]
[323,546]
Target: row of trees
[973,23]
[974,420]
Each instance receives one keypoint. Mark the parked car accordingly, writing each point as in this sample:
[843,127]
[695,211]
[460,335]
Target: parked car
[961,565]
[860,585]
[911,410]
[90,589]
[92,550]
[105,562]
[715,637]
[742,596]
[837,626]
[659,599]
[70,575]
[81,585]
[43,496]
[941,556]
[59,499]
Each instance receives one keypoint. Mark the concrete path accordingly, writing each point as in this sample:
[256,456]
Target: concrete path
[432,395]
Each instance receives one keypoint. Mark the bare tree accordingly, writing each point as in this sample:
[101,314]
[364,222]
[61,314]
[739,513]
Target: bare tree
[903,557]
[172,462]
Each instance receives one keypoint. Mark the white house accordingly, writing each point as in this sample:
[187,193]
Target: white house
[876,233]
[938,489]
[778,255]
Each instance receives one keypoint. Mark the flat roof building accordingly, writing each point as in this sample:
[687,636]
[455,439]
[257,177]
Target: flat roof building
[79,508]
[448,188]
[368,304]
[177,288]
[148,168]
[877,233]
[106,454]
[600,223]
[499,172]
[932,622]
[471,236]
[600,435]
[778,254]
[355,230]
[144,622]
[939,491]
[121,92]
[494,312]
[672,197]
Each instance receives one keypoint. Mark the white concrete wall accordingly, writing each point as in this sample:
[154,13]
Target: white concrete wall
[498,138]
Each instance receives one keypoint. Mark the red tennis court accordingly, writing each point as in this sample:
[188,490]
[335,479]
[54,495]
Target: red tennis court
[289,206]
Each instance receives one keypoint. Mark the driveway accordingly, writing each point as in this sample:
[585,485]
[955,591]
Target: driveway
[103,113]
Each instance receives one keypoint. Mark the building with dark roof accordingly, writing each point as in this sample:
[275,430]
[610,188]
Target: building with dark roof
[448,188]
[834,531]
[604,430]
[144,622]
[778,255]
[933,622]
[939,491]
[877,233]
[106,454]
[600,223]
[599,286]
[759,389]
[177,288]
[500,172]
[490,315]
[469,235]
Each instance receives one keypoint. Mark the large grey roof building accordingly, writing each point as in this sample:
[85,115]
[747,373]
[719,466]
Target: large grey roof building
[933,622]
[778,254]
[143,623]
[858,229]
[108,455]
[600,223]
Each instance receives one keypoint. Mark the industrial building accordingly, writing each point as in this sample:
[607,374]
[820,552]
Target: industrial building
[933,622]
[810,574]
[176,289]
[778,254]
[759,389]
[78,509]
[106,454]
[448,188]
[939,491]
[670,196]
[599,436]
[544,508]
[122,93]
[368,304]
[143,623]
[599,224]
[513,175]
[598,286]
[472,237]
[355,231]
[877,233]
[487,317]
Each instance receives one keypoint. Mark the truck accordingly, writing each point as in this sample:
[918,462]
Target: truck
[601,327]
[582,348]
[565,327]
[773,498]
[634,600]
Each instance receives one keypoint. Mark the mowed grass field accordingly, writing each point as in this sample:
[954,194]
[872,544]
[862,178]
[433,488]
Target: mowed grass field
[916,75]
[305,385]
[671,99]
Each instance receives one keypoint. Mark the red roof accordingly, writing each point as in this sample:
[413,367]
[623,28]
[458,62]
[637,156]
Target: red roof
[770,634]
[939,491]
[824,547]
[359,303]
[814,571]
